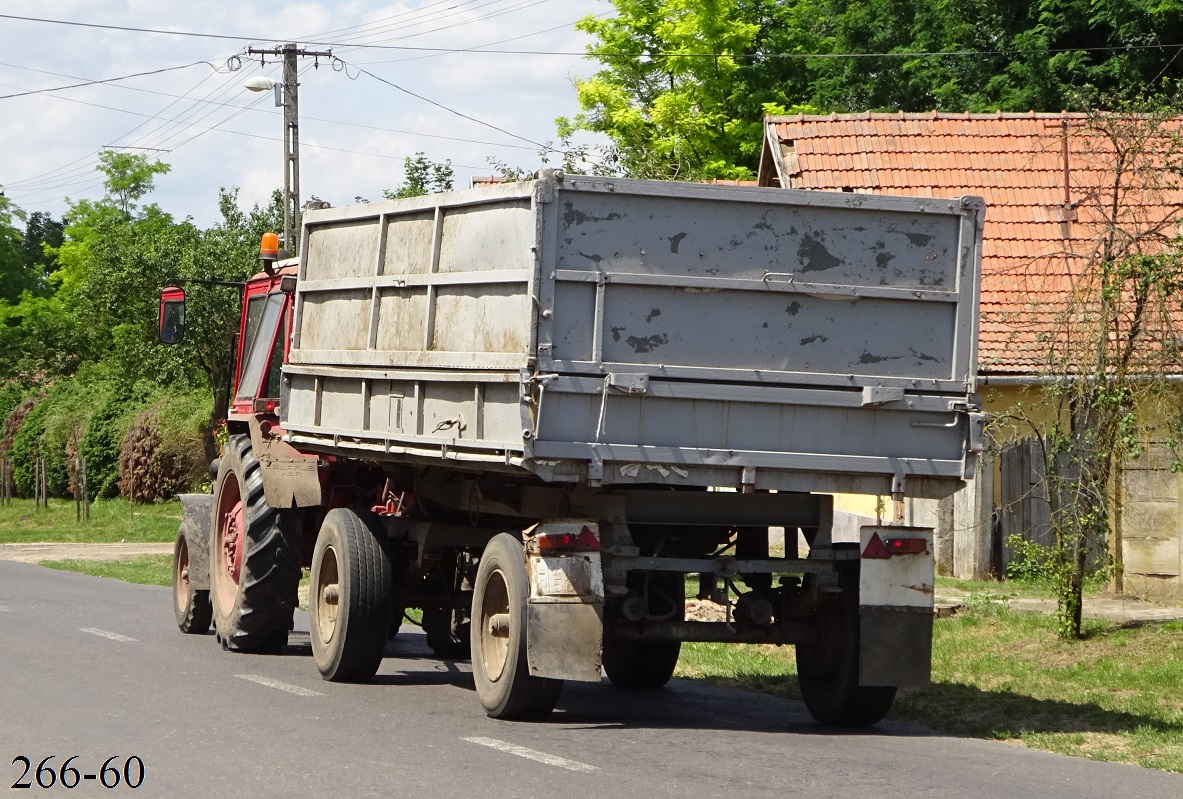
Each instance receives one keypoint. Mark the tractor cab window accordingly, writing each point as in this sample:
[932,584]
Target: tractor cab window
[257,347]
[274,368]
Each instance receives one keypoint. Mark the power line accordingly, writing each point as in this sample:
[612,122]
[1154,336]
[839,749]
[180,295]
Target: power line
[446,108]
[609,54]
[106,80]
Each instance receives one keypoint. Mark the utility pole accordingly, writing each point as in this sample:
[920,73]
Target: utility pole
[291,134]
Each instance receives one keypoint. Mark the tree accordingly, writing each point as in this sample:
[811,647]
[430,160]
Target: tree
[128,177]
[1114,344]
[685,83]
[16,276]
[43,234]
[423,176]
[673,96]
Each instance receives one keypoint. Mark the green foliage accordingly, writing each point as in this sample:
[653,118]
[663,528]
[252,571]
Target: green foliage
[423,176]
[162,454]
[685,83]
[104,434]
[1030,562]
[128,177]
[16,274]
[27,446]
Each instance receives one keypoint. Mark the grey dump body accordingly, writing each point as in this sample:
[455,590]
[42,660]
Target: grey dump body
[632,332]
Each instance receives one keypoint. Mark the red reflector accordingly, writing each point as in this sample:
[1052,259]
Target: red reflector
[907,546]
[875,548]
[586,539]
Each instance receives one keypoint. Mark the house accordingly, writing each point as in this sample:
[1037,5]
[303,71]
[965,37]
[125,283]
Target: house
[1048,184]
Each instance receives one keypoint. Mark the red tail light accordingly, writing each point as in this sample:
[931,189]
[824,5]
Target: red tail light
[583,541]
[907,546]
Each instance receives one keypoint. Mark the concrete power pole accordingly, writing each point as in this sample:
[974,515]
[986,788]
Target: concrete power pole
[291,136]
[291,149]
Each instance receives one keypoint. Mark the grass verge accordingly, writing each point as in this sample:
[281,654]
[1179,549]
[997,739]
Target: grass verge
[1006,676]
[111,521]
[146,570]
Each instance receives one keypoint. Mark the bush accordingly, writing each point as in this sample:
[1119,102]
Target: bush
[163,453]
[104,437]
[27,445]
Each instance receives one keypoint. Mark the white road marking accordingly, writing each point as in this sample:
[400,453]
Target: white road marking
[282,686]
[5,609]
[531,754]
[105,634]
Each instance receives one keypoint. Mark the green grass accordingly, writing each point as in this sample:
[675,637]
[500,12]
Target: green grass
[146,570]
[111,521]
[1006,676]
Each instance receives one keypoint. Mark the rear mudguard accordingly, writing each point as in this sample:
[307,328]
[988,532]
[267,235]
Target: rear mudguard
[195,526]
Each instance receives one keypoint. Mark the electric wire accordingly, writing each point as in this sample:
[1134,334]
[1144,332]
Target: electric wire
[104,80]
[592,53]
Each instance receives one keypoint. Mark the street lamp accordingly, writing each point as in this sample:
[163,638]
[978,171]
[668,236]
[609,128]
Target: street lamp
[287,99]
[259,83]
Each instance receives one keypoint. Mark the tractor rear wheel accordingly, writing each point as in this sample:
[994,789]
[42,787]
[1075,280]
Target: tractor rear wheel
[254,557]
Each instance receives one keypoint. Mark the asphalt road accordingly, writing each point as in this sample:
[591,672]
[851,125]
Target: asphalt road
[96,668]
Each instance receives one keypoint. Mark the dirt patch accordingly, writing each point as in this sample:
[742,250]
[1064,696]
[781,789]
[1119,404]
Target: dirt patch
[35,553]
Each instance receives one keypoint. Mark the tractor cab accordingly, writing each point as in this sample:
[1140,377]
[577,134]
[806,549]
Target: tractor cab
[261,345]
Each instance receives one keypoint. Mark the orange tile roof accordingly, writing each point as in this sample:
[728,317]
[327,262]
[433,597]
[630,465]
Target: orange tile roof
[1031,254]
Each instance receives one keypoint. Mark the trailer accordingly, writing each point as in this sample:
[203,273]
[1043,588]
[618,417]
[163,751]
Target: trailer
[534,410]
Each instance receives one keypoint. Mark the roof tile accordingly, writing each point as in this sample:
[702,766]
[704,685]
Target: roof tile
[1015,162]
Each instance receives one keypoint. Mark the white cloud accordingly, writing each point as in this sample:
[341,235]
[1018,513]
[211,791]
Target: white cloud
[44,133]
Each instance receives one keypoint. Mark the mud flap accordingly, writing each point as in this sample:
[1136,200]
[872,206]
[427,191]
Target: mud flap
[565,640]
[195,524]
[896,582]
[565,608]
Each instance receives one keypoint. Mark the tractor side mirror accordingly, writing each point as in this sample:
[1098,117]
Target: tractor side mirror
[172,315]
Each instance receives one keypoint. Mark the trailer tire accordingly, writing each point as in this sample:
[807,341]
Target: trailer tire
[254,557]
[828,667]
[648,665]
[448,633]
[350,596]
[500,669]
[191,606]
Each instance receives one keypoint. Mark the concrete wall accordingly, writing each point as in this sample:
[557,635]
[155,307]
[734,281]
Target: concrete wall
[1149,526]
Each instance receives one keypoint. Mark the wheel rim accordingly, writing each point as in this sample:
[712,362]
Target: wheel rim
[229,546]
[181,576]
[328,595]
[494,627]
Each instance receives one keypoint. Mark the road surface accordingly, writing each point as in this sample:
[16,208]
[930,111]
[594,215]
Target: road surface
[97,668]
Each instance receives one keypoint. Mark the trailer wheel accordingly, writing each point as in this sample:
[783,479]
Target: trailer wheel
[648,665]
[828,666]
[500,670]
[448,633]
[191,606]
[254,557]
[349,598]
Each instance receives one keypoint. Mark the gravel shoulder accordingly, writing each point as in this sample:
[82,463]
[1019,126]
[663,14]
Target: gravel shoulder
[35,553]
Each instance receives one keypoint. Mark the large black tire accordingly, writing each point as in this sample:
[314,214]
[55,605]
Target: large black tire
[349,596]
[190,606]
[648,665]
[254,557]
[448,633]
[828,666]
[504,685]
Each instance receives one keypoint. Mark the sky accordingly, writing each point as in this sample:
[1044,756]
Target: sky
[355,128]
